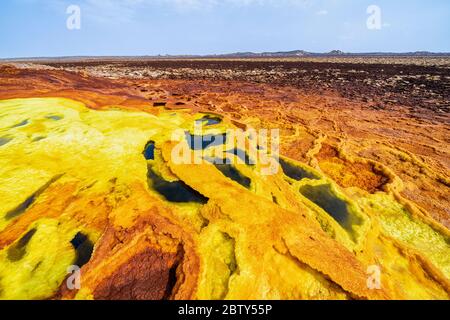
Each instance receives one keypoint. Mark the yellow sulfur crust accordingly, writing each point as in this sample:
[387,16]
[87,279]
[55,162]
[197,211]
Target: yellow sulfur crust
[71,175]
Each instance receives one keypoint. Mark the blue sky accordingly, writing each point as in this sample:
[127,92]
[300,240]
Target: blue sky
[31,28]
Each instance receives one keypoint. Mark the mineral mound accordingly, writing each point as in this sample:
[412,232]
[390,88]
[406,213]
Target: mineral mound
[358,208]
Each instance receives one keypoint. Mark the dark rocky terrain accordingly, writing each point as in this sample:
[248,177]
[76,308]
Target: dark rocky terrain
[381,82]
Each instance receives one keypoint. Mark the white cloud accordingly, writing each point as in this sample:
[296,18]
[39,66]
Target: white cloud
[322,13]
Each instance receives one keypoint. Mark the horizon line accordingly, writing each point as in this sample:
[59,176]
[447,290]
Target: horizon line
[242,53]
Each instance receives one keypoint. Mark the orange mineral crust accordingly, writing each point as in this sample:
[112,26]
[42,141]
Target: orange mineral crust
[94,205]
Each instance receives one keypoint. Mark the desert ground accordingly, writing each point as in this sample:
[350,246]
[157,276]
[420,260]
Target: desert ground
[87,179]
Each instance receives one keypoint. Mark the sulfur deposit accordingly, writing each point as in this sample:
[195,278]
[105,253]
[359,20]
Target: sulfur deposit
[88,179]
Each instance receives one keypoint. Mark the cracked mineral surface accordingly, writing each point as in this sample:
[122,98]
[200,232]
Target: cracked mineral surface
[88,179]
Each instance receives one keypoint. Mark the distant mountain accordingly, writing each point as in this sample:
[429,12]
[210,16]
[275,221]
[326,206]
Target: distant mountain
[302,53]
[336,53]
[294,53]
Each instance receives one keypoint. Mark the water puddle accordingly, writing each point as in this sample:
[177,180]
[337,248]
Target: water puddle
[83,247]
[21,124]
[4,140]
[206,141]
[38,139]
[241,154]
[21,208]
[324,197]
[210,120]
[231,172]
[176,191]
[149,151]
[18,250]
[295,172]
[55,117]
[274,199]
